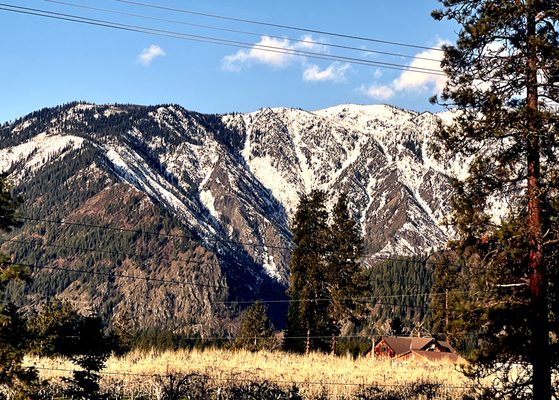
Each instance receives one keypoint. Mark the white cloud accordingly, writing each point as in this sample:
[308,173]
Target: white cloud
[410,80]
[273,52]
[378,92]
[149,54]
[307,43]
[269,51]
[335,72]
[282,53]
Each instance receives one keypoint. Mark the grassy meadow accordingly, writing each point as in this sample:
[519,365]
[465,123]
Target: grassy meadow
[317,376]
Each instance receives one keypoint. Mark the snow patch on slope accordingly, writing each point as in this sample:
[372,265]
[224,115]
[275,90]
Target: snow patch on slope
[274,181]
[269,265]
[24,125]
[307,175]
[208,200]
[132,168]
[37,151]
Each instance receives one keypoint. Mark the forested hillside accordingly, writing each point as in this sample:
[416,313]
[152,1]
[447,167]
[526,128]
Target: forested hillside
[162,217]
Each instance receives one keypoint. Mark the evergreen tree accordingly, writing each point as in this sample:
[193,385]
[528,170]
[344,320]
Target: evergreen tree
[325,274]
[13,335]
[307,315]
[59,331]
[344,270]
[256,332]
[8,221]
[503,80]
[456,294]
[8,207]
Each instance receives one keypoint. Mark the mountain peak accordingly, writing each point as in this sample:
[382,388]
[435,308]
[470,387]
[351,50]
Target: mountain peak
[230,183]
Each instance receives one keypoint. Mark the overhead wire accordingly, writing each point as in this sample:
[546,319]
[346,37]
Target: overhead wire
[417,262]
[78,250]
[234,379]
[195,262]
[316,337]
[208,39]
[105,227]
[372,300]
[363,299]
[159,234]
[420,260]
[374,256]
[113,274]
[187,283]
[36,242]
[258,34]
[180,282]
[289,27]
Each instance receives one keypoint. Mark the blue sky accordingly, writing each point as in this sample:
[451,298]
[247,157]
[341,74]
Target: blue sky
[46,62]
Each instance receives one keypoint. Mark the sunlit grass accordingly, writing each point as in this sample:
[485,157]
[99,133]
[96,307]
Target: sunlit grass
[314,373]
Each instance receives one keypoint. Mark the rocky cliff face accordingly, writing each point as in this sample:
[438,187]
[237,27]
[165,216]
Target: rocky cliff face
[178,213]
[378,154]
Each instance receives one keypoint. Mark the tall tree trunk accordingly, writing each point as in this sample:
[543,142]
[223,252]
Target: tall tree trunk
[308,342]
[541,362]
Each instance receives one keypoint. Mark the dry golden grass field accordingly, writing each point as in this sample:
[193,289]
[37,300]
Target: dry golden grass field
[141,373]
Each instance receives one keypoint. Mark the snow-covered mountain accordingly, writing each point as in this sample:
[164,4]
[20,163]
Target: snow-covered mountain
[227,186]
[378,154]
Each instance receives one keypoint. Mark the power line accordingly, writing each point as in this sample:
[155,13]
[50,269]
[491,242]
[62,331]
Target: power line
[322,337]
[254,22]
[367,300]
[258,34]
[317,337]
[409,260]
[371,299]
[109,252]
[104,227]
[366,337]
[140,232]
[188,237]
[186,283]
[197,262]
[208,39]
[113,275]
[371,256]
[364,299]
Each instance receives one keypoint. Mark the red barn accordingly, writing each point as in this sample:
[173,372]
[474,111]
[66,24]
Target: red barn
[414,348]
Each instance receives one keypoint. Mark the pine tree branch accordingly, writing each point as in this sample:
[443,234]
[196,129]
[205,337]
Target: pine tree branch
[551,242]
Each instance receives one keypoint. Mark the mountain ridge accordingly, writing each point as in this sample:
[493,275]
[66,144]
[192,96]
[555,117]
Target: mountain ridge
[230,182]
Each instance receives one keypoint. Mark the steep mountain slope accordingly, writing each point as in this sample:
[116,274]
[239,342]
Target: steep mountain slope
[378,154]
[196,207]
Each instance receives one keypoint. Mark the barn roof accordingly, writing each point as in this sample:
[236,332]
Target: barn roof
[403,344]
[446,345]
